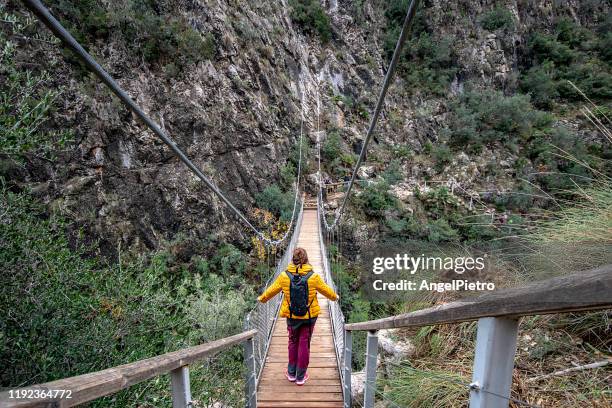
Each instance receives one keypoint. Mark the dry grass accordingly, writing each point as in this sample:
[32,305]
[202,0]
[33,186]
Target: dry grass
[438,374]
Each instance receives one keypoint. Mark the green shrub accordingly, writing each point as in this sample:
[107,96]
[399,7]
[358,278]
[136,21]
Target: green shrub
[483,117]
[375,199]
[428,62]
[402,151]
[287,175]
[442,155]
[570,53]
[497,18]
[311,17]
[84,19]
[521,199]
[228,261]
[545,47]
[479,229]
[25,101]
[359,311]
[593,78]
[571,34]
[347,100]
[276,201]
[63,313]
[539,84]
[407,226]
[439,202]
[562,171]
[440,230]
[397,226]
[362,110]
[153,31]
[331,147]
[393,172]
[348,159]
[604,46]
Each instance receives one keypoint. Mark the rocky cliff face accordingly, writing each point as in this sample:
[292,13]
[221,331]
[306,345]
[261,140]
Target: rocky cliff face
[237,114]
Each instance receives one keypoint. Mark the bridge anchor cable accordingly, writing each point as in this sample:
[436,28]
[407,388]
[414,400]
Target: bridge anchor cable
[379,104]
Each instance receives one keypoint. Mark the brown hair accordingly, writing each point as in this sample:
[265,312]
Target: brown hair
[299,257]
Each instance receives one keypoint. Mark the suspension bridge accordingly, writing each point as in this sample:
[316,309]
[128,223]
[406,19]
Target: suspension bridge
[264,337]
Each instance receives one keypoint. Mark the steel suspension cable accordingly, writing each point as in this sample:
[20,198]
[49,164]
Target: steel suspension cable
[55,26]
[379,104]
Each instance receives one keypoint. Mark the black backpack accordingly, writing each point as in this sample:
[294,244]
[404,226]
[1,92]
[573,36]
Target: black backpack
[298,294]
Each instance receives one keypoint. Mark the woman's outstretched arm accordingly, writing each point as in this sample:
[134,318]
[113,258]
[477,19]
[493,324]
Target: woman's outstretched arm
[324,289]
[272,291]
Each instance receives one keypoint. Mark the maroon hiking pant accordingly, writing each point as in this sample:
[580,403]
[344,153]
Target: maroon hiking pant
[299,349]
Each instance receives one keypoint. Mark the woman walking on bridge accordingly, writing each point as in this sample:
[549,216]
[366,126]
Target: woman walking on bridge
[299,285]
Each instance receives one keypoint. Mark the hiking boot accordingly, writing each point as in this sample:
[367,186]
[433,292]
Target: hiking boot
[303,380]
[289,376]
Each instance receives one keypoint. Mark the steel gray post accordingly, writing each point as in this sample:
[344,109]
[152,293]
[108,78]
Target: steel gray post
[370,369]
[347,369]
[181,389]
[251,380]
[493,362]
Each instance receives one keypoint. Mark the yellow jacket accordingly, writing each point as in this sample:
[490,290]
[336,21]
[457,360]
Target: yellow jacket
[315,284]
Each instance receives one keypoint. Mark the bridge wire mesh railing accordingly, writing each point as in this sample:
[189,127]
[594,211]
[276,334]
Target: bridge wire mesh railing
[336,315]
[263,316]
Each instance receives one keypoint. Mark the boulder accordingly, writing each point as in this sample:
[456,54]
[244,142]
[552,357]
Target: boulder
[313,178]
[403,191]
[331,205]
[365,172]
[357,387]
[393,348]
[76,184]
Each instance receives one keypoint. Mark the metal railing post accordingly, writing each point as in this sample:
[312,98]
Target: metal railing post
[370,369]
[493,362]
[347,369]
[181,389]
[251,380]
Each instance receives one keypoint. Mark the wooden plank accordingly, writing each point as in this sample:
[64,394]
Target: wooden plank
[306,388]
[313,382]
[299,396]
[283,341]
[94,385]
[281,348]
[298,404]
[320,363]
[313,357]
[314,372]
[587,290]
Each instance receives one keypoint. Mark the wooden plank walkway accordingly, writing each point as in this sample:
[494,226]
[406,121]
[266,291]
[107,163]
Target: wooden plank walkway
[323,389]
